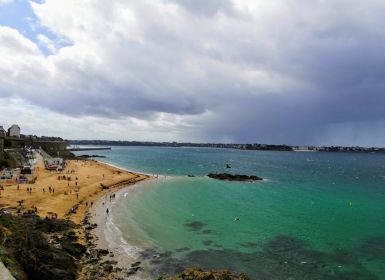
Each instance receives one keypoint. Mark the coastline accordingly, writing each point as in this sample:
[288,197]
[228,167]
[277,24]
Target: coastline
[74,198]
[103,235]
[123,256]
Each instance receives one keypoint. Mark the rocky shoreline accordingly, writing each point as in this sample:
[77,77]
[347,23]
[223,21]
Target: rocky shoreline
[36,248]
[101,263]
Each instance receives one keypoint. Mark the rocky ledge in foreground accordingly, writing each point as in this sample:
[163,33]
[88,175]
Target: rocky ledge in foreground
[235,177]
[35,248]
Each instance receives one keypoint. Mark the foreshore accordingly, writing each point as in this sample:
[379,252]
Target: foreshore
[71,195]
[102,235]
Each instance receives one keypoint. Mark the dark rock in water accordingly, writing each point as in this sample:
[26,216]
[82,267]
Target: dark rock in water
[199,274]
[91,156]
[228,165]
[236,177]
[190,175]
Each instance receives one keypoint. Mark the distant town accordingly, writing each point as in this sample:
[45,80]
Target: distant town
[13,143]
[261,147]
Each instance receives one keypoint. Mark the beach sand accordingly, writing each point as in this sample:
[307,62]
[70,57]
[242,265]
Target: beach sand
[68,194]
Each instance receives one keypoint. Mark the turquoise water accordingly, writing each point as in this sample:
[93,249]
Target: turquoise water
[316,216]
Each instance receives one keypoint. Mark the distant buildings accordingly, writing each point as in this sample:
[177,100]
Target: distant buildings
[14,131]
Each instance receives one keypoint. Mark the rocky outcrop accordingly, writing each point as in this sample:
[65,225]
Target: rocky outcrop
[44,249]
[231,177]
[199,274]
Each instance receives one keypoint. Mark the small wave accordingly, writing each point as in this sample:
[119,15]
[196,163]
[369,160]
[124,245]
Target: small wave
[115,239]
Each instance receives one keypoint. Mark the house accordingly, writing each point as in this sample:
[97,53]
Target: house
[54,164]
[14,131]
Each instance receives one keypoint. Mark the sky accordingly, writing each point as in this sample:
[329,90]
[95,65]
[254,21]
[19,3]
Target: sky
[236,71]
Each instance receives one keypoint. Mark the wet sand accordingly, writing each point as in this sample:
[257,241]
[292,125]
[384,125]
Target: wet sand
[107,237]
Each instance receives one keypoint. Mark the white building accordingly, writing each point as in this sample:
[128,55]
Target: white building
[14,131]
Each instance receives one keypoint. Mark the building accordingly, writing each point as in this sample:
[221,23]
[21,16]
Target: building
[54,164]
[14,131]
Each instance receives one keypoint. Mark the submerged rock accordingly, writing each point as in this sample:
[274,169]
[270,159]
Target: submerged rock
[199,274]
[235,177]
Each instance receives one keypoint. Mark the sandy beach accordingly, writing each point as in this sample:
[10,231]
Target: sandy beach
[69,198]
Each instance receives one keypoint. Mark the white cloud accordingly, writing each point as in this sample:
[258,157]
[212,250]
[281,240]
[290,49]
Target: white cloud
[200,69]
[4,2]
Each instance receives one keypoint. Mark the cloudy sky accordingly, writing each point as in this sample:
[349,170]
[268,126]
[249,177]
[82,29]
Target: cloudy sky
[250,71]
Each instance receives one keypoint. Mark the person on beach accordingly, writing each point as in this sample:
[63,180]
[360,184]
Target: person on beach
[77,196]
[18,187]
[107,211]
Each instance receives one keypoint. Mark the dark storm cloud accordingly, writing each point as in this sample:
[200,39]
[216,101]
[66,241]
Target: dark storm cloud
[243,71]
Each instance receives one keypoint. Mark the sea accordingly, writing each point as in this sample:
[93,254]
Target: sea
[315,215]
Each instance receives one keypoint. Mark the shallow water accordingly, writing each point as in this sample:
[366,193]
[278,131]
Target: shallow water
[316,216]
